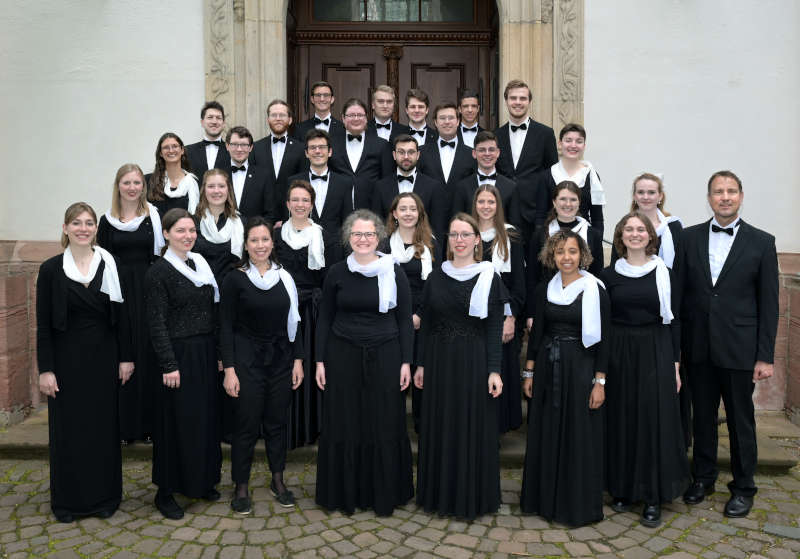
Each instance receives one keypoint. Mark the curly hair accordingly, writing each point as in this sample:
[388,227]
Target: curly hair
[363,215]
[547,254]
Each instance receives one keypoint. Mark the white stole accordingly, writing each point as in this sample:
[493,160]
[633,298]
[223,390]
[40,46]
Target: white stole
[479,298]
[581,227]
[402,254]
[500,265]
[667,249]
[590,306]
[201,276]
[310,237]
[133,225]
[662,281]
[383,267]
[232,231]
[187,187]
[559,174]
[267,281]
[110,285]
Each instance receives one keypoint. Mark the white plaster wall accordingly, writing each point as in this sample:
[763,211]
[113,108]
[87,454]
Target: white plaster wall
[691,87]
[87,85]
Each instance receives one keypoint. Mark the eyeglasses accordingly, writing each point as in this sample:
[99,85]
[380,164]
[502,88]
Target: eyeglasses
[322,95]
[384,101]
[402,153]
[446,118]
[462,236]
[356,115]
[278,116]
[368,235]
[170,148]
[486,150]
[239,146]
[321,147]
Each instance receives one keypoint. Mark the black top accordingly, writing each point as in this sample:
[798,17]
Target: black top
[675,228]
[514,281]
[593,213]
[243,307]
[218,255]
[413,270]
[127,246]
[296,261]
[349,308]
[175,309]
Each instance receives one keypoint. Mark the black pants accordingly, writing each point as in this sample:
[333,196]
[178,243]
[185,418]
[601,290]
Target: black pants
[735,386]
[265,391]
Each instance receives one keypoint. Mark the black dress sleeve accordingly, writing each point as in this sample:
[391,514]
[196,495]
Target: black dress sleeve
[601,347]
[157,301]
[515,279]
[45,352]
[535,339]
[533,272]
[124,326]
[675,325]
[596,250]
[423,322]
[494,327]
[403,314]
[327,312]
[298,347]
[593,213]
[104,233]
[228,303]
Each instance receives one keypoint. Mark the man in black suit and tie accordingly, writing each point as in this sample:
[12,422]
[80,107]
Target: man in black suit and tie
[727,276]
[279,153]
[209,152]
[526,147]
[407,179]
[417,104]
[322,99]
[486,153]
[469,109]
[383,101]
[250,183]
[360,154]
[333,200]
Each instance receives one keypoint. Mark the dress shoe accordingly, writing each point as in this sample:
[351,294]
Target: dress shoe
[167,506]
[697,493]
[212,495]
[618,504]
[66,518]
[738,506]
[105,514]
[651,515]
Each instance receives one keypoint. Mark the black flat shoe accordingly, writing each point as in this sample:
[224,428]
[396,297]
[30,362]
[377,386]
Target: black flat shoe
[212,495]
[620,505]
[65,518]
[697,493]
[241,505]
[105,514]
[167,506]
[738,506]
[285,499]
[651,515]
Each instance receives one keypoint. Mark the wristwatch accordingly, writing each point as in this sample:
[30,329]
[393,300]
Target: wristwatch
[600,381]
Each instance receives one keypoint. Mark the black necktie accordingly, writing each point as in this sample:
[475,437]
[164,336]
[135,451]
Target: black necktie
[318,120]
[319,177]
[420,132]
[473,129]
[275,140]
[717,229]
[217,143]
[409,178]
[523,126]
[388,126]
[351,137]
[234,168]
[491,177]
[443,143]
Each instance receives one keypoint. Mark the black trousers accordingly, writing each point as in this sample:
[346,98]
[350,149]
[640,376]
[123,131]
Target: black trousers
[736,387]
[265,392]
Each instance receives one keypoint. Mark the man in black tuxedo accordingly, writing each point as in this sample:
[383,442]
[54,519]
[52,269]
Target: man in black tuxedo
[417,104]
[526,147]
[360,154]
[322,100]
[209,152]
[279,153]
[486,153]
[407,179]
[447,160]
[383,101]
[251,183]
[727,276]
[469,109]
[334,193]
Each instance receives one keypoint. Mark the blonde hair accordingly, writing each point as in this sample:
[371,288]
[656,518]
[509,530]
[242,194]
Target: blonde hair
[73,211]
[116,202]
[230,201]
[656,179]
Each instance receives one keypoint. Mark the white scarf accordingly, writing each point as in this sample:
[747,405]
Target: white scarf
[560,174]
[402,254]
[232,231]
[581,227]
[590,306]
[133,225]
[479,299]
[268,280]
[662,281]
[667,249]
[500,265]
[310,237]
[187,186]
[110,285]
[383,267]
[202,276]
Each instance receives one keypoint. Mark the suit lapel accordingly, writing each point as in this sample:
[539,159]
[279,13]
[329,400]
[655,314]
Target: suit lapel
[286,153]
[527,145]
[737,249]
[702,248]
[268,147]
[248,179]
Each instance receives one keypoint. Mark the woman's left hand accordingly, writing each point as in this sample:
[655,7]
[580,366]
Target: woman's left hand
[597,396]
[495,385]
[508,329]
[678,375]
[125,371]
[416,320]
[405,376]
[297,374]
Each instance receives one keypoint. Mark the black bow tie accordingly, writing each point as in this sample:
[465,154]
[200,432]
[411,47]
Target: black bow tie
[409,178]
[473,129]
[729,230]
[318,120]
[523,126]
[319,177]
[491,177]
[217,143]
[234,168]
[451,143]
[351,137]
[420,132]
[388,126]
[275,139]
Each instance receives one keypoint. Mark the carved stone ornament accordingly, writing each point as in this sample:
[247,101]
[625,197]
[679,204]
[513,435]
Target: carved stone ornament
[218,52]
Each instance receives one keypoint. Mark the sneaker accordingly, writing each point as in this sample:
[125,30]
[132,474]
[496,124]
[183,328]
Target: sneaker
[285,499]
[241,505]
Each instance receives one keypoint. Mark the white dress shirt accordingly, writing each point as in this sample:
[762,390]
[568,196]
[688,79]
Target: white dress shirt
[383,132]
[354,150]
[322,125]
[518,140]
[489,181]
[469,137]
[211,151]
[278,149]
[420,139]
[405,186]
[447,155]
[320,188]
[719,245]
[238,179]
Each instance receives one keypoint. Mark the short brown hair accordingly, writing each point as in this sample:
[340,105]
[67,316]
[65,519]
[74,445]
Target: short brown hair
[572,127]
[240,131]
[514,84]
[404,139]
[444,105]
[547,254]
[466,218]
[73,211]
[315,85]
[652,245]
[305,185]
[417,94]
[485,136]
[280,102]
[353,101]
[727,175]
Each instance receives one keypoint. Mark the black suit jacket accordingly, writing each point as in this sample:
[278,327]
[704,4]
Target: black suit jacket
[293,162]
[465,192]
[538,152]
[376,162]
[464,165]
[196,154]
[430,135]
[733,323]
[336,128]
[461,137]
[257,194]
[397,129]
[338,202]
[430,192]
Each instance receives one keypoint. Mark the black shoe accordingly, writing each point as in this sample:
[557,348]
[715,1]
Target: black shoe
[651,515]
[147,439]
[285,499]
[696,493]
[167,506]
[65,518]
[241,505]
[738,506]
[619,504]
[104,514]
[211,495]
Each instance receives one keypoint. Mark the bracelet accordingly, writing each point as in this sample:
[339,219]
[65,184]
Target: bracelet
[526,373]
[600,381]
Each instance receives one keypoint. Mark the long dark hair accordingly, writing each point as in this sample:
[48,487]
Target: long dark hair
[156,187]
[501,236]
[252,223]
[423,237]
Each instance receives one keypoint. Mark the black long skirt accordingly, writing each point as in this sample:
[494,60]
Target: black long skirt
[509,403]
[646,456]
[186,441]
[305,411]
[364,459]
[563,476]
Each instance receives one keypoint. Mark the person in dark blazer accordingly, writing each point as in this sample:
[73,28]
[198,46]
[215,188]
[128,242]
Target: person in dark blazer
[383,102]
[334,193]
[209,152]
[251,183]
[727,274]
[279,153]
[469,110]
[417,105]
[322,100]
[486,153]
[360,154]
[407,179]
[526,147]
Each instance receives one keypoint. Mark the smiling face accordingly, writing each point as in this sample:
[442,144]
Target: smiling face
[181,236]
[259,244]
[647,195]
[216,190]
[406,213]
[363,237]
[447,123]
[406,156]
[318,152]
[382,105]
[131,186]
[567,256]
[518,102]
[81,230]
[417,112]
[725,199]
[634,234]
[239,148]
[462,239]
[486,153]
[486,206]
[299,203]
[566,205]
[572,146]
[171,150]
[355,119]
[469,110]
[322,99]
[278,119]
[213,122]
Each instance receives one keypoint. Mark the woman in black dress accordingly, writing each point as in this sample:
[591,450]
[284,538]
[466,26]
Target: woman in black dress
[458,469]
[645,454]
[131,231]
[180,292]
[502,247]
[364,350]
[171,184]
[221,231]
[263,359]
[83,352]
[563,476]
[411,243]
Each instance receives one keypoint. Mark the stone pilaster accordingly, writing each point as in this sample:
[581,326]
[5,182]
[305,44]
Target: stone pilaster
[219,55]
[568,33]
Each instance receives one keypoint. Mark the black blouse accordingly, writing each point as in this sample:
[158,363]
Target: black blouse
[514,281]
[218,255]
[128,246]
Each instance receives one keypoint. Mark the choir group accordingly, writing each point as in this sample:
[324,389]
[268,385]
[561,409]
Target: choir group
[296,288]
